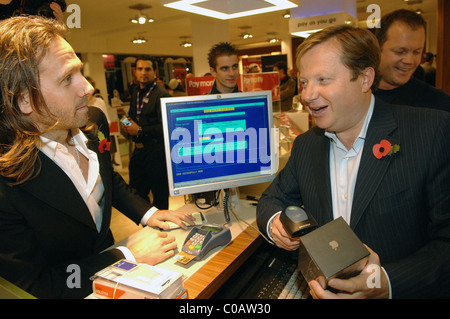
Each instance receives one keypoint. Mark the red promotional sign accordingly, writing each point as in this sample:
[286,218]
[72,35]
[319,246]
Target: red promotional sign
[199,85]
[202,84]
[262,82]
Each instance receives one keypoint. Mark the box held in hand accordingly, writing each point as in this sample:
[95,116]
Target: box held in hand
[331,251]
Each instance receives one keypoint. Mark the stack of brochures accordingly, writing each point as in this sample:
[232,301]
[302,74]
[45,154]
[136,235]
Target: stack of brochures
[130,280]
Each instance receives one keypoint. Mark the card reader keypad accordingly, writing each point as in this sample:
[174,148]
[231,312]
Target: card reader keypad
[195,243]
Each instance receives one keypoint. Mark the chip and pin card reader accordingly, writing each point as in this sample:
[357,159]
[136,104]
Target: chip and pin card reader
[201,239]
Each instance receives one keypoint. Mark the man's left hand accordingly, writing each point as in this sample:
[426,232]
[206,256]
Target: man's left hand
[356,287]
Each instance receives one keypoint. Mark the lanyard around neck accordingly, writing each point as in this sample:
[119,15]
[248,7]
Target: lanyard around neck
[139,104]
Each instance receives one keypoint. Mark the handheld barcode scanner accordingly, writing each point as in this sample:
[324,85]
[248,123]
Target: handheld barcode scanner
[297,221]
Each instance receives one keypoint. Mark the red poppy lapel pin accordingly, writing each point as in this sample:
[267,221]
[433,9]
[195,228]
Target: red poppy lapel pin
[104,144]
[385,148]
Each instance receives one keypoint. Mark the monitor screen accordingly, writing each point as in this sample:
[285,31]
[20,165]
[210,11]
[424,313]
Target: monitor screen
[218,141]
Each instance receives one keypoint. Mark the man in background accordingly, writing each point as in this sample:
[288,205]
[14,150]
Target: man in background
[402,40]
[287,86]
[147,168]
[223,62]
[53,9]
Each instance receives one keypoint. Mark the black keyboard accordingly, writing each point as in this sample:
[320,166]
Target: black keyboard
[277,277]
[280,280]
[295,288]
[270,273]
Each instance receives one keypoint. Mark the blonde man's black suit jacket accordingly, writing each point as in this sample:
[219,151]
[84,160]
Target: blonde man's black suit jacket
[401,205]
[45,226]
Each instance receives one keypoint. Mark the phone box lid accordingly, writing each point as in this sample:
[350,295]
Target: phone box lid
[332,250]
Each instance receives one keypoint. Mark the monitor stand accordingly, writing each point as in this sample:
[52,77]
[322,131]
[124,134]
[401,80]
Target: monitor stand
[226,200]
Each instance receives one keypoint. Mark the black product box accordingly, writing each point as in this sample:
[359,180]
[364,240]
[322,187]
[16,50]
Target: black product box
[331,251]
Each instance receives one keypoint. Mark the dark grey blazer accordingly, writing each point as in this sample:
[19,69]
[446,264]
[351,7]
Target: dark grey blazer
[401,205]
[45,226]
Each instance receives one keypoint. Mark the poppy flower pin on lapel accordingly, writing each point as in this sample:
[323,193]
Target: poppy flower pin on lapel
[104,144]
[384,148]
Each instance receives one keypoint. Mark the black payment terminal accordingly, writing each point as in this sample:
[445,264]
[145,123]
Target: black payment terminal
[201,239]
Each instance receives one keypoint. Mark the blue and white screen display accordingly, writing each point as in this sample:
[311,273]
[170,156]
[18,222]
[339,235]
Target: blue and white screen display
[218,139]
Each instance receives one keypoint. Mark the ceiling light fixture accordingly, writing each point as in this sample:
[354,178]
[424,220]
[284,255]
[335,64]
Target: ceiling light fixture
[141,18]
[273,37]
[139,39]
[245,35]
[185,42]
[230,9]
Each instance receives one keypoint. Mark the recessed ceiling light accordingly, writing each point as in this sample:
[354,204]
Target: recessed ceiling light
[229,9]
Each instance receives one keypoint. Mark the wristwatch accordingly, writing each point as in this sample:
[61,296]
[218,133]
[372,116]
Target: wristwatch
[140,131]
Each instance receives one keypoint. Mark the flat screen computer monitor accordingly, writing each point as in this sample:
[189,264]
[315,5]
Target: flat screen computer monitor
[219,141]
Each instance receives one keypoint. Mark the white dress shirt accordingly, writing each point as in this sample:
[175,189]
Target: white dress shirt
[91,190]
[344,165]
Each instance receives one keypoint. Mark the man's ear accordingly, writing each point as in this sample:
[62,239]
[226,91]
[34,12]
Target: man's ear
[368,76]
[24,103]
[212,71]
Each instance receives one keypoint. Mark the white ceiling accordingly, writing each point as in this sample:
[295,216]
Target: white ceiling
[105,26]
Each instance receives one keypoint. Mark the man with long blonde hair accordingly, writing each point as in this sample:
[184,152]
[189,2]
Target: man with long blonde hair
[57,184]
